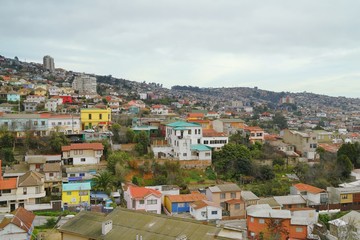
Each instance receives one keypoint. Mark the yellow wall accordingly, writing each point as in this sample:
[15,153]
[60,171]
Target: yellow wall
[167,204]
[95,117]
[75,194]
[346,198]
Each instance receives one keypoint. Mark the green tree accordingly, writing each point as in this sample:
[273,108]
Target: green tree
[130,135]
[142,143]
[280,120]
[7,138]
[352,151]
[115,129]
[232,161]
[345,166]
[103,181]
[57,140]
[117,157]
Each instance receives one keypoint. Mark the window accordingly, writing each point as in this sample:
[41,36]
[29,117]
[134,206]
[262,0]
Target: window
[261,221]
[68,193]
[203,214]
[152,201]
[222,195]
[51,174]
[35,123]
[42,123]
[6,123]
[141,201]
[251,219]
[344,196]
[82,174]
[76,152]
[189,132]
[72,174]
[206,142]
[53,123]
[83,193]
[99,152]
[233,195]
[100,116]
[24,190]
[237,206]
[299,229]
[181,204]
[214,212]
[90,116]
[59,123]
[184,154]
[207,154]
[80,151]
[6,191]
[83,159]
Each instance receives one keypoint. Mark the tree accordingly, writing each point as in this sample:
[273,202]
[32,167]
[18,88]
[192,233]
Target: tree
[103,181]
[142,142]
[115,129]
[57,140]
[232,161]
[117,157]
[345,166]
[7,138]
[130,135]
[352,151]
[276,229]
[280,120]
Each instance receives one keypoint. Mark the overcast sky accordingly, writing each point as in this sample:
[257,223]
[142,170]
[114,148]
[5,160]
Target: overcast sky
[278,45]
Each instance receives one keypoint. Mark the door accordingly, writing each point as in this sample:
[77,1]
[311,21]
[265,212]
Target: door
[12,207]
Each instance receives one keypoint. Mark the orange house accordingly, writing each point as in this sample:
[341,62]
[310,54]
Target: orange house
[265,222]
[195,116]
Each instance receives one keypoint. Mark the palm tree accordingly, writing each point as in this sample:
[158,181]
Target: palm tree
[103,181]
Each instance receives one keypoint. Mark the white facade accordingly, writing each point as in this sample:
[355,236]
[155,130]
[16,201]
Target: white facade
[166,190]
[159,110]
[206,213]
[149,203]
[53,91]
[13,232]
[85,84]
[35,98]
[48,63]
[67,124]
[82,160]
[215,142]
[52,105]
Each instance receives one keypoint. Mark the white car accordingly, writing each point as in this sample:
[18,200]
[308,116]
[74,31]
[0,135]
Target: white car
[89,130]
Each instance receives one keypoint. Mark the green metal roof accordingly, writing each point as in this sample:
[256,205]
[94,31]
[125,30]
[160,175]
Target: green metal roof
[200,147]
[129,223]
[183,124]
[76,186]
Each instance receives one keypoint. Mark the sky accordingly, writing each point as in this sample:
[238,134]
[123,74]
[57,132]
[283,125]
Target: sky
[277,45]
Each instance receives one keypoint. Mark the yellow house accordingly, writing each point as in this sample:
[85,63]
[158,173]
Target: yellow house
[95,117]
[346,198]
[76,193]
[40,91]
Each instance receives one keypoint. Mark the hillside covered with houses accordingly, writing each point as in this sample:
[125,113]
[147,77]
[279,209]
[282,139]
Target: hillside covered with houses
[136,159]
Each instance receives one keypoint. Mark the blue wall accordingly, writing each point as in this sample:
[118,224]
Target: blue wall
[176,209]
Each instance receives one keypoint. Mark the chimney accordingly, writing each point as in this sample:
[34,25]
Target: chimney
[106,227]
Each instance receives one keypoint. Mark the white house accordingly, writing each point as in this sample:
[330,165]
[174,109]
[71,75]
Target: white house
[185,139]
[35,98]
[18,225]
[203,210]
[52,104]
[53,91]
[141,198]
[214,139]
[313,195]
[166,190]
[68,124]
[82,153]
[159,109]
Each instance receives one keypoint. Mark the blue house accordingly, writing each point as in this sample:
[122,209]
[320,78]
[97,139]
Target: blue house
[20,123]
[181,203]
[13,97]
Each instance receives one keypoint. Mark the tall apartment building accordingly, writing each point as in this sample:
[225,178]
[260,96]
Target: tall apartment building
[48,63]
[84,84]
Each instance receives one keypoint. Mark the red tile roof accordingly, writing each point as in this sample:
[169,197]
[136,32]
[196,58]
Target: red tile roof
[141,192]
[255,128]
[203,203]
[186,197]
[9,183]
[212,133]
[22,218]
[308,188]
[234,201]
[83,146]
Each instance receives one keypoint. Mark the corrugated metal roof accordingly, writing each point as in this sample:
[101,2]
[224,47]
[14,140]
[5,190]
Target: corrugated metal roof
[200,147]
[76,186]
[183,124]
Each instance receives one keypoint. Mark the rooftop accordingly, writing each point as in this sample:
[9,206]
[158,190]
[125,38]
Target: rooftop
[76,186]
[200,147]
[83,146]
[186,197]
[31,178]
[229,187]
[308,188]
[142,192]
[182,124]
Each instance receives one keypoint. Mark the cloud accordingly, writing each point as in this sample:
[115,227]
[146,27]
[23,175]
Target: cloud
[274,45]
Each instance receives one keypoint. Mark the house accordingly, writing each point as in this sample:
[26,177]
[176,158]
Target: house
[40,91]
[53,178]
[346,227]
[313,195]
[76,194]
[13,96]
[25,191]
[20,123]
[323,136]
[228,197]
[17,225]
[291,201]
[212,115]
[263,221]
[66,98]
[82,153]
[141,198]
[213,139]
[35,98]
[256,134]
[249,198]
[7,107]
[53,90]
[305,143]
[228,125]
[52,104]
[95,118]
[287,150]
[82,172]
[181,203]
[348,197]
[203,210]
[65,123]
[30,106]
[123,223]
[166,190]
[159,110]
